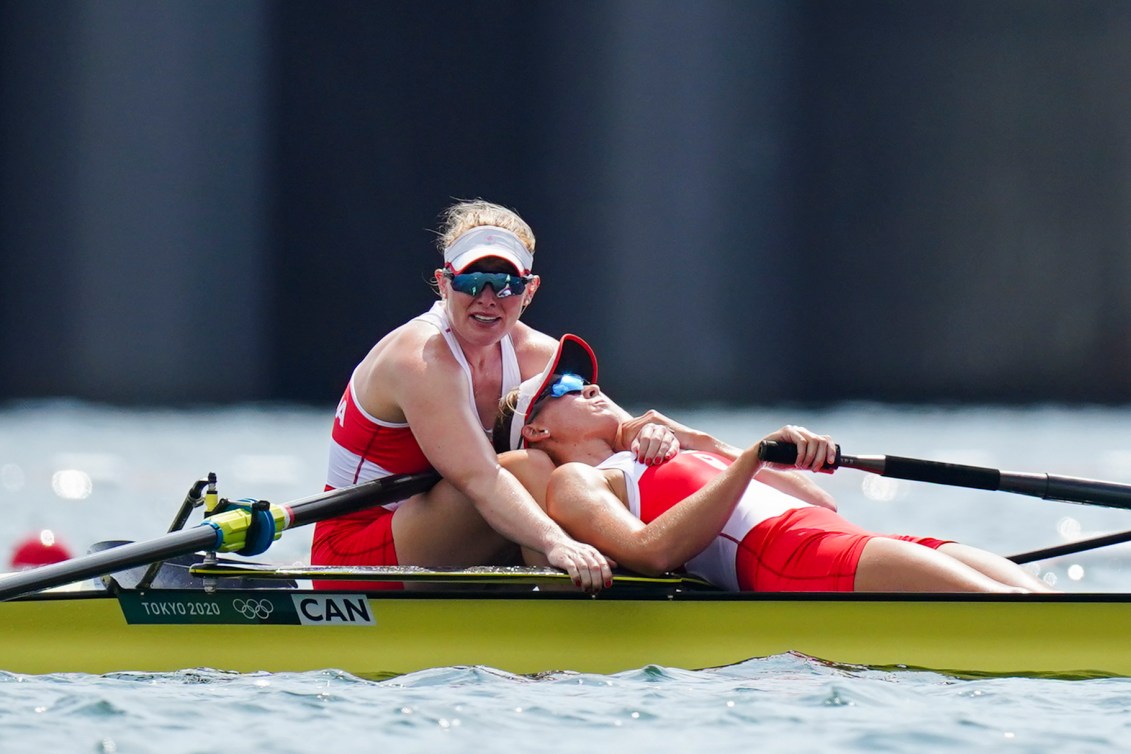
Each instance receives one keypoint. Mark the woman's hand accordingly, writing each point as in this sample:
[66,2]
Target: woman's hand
[587,567]
[814,452]
[650,440]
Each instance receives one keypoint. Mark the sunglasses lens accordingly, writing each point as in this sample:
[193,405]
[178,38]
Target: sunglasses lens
[469,284]
[567,383]
[502,283]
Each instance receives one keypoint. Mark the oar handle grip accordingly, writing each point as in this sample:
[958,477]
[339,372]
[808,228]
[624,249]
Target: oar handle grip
[897,467]
[785,453]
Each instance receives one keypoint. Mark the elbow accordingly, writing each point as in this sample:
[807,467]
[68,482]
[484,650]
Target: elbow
[651,561]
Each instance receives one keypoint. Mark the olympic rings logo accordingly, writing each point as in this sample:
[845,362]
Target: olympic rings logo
[253,609]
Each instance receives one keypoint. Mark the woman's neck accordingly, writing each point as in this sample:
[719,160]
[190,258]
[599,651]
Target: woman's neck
[591,451]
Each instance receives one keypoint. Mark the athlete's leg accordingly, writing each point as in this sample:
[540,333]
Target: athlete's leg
[891,565]
[995,566]
[441,527]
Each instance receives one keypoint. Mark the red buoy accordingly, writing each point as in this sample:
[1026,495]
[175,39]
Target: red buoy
[39,549]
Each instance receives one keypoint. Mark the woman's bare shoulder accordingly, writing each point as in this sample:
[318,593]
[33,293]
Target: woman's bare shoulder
[533,343]
[411,356]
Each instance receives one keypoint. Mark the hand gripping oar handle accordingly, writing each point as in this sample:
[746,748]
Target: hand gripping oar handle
[225,531]
[1045,486]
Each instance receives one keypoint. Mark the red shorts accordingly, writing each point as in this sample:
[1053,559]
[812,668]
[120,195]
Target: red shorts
[364,538]
[808,549]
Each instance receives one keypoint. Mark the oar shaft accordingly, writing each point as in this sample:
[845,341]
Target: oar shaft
[106,561]
[349,499]
[1046,486]
[1069,489]
[932,472]
[1072,547]
[224,531]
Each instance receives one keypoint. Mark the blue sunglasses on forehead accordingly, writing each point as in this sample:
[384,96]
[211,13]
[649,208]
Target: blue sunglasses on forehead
[504,283]
[565,384]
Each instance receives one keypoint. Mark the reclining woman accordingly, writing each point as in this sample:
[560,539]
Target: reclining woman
[720,513]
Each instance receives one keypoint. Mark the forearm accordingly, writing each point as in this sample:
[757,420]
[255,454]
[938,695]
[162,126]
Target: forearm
[790,482]
[687,528]
[687,437]
[694,439]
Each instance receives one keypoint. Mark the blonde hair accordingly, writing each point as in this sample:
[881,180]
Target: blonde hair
[472,213]
[501,432]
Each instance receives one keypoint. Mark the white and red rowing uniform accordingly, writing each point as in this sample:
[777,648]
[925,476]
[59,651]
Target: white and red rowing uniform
[365,447]
[771,541]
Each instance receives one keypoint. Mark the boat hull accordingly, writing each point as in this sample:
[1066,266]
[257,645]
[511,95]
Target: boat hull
[1063,635]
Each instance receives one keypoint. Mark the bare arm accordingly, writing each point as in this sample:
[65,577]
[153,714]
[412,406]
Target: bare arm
[590,505]
[428,387]
[651,442]
[790,482]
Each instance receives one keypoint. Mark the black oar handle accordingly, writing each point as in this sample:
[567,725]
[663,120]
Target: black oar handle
[1045,486]
[896,467]
[785,453]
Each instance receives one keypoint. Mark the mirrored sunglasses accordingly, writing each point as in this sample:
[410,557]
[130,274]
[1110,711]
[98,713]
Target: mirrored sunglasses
[472,283]
[565,384]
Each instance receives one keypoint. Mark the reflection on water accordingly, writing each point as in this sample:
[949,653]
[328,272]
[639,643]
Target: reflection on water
[92,473]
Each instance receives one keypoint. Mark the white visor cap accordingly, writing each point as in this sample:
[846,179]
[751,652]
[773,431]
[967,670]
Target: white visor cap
[488,241]
[574,356]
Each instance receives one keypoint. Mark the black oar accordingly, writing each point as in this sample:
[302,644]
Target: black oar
[224,532]
[1046,486]
[1072,548]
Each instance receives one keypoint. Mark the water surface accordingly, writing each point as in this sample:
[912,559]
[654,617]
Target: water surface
[91,473]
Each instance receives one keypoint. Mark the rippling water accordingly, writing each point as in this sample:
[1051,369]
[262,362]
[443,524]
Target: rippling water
[784,703]
[90,473]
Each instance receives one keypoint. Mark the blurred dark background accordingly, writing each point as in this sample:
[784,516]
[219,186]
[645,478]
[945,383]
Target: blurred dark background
[742,202]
